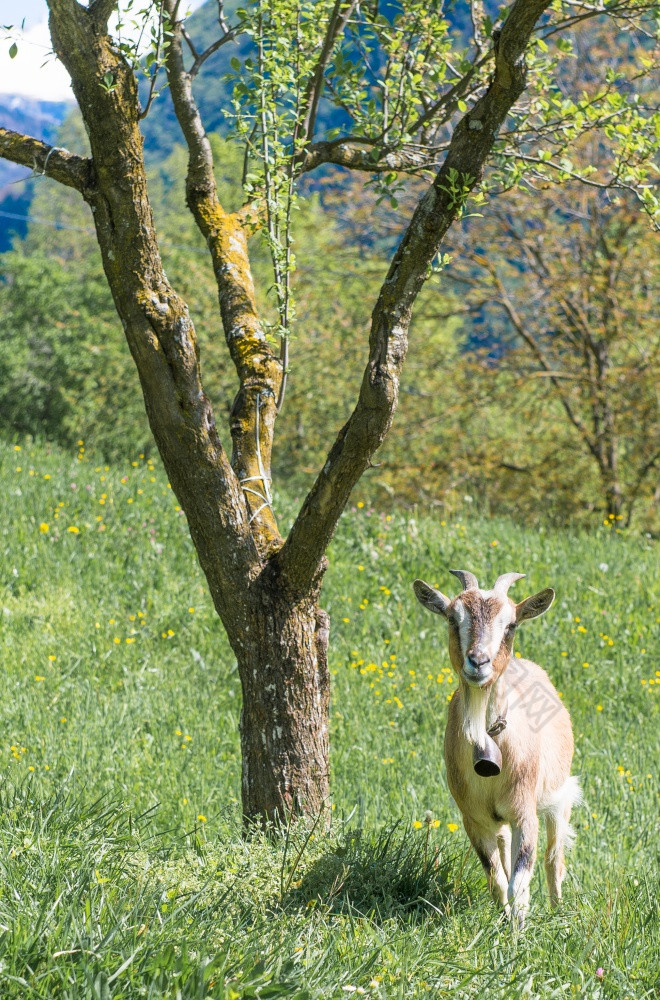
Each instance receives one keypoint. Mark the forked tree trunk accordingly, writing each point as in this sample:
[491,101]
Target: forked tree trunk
[283,666]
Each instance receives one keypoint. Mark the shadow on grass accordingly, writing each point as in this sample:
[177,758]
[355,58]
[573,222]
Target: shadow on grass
[394,872]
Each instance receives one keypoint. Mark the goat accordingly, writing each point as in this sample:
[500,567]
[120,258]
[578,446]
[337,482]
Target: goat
[508,742]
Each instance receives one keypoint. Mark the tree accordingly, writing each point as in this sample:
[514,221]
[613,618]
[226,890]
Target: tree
[576,279]
[411,94]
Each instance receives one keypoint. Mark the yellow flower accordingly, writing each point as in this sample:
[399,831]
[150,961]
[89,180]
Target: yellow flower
[585,664]
[38,677]
[452,827]
[191,611]
[201,818]
[116,640]
[599,708]
[130,639]
[360,503]
[495,542]
[417,824]
[43,527]
[74,531]
[52,658]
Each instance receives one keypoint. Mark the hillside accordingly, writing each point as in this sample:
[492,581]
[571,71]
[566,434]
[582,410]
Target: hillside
[120,762]
[38,118]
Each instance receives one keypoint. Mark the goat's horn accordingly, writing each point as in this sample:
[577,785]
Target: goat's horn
[468,580]
[503,582]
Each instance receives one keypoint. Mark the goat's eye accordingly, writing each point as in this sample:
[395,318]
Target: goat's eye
[511,627]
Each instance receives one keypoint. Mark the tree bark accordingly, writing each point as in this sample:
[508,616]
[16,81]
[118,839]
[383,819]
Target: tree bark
[283,667]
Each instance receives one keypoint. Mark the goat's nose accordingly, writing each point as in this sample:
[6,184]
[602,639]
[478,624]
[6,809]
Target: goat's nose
[477,657]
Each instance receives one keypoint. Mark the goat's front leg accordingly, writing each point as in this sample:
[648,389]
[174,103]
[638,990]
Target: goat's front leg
[487,848]
[523,855]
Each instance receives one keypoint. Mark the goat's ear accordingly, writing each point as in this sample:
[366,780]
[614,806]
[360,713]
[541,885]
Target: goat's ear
[534,606]
[431,598]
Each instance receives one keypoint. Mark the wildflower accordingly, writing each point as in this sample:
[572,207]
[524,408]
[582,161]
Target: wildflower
[600,972]
[360,504]
[38,677]
[43,527]
[191,611]
[201,818]
[417,824]
[52,658]
[73,530]
[452,827]
[599,708]
[494,542]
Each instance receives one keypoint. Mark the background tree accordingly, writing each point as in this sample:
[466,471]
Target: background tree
[417,97]
[576,279]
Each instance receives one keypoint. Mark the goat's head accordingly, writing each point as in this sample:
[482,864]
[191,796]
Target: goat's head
[482,623]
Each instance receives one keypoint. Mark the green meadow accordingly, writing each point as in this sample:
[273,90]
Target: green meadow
[125,870]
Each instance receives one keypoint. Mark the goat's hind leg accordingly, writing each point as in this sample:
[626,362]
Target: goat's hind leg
[560,836]
[486,845]
[555,867]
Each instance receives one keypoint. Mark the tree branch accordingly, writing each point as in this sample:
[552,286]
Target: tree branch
[50,161]
[158,327]
[101,11]
[300,559]
[338,21]
[259,372]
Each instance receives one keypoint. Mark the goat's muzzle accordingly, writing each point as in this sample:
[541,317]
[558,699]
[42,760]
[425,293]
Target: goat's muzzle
[487,760]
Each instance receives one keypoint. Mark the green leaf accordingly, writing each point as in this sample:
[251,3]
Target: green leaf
[13,49]
[462,106]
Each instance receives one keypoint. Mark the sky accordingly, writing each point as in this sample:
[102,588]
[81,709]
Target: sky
[34,72]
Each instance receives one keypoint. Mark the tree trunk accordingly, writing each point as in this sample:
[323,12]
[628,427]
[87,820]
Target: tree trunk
[282,660]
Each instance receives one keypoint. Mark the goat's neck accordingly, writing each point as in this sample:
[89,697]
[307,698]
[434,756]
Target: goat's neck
[481,707]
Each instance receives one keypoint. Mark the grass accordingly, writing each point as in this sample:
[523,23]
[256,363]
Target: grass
[124,873]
